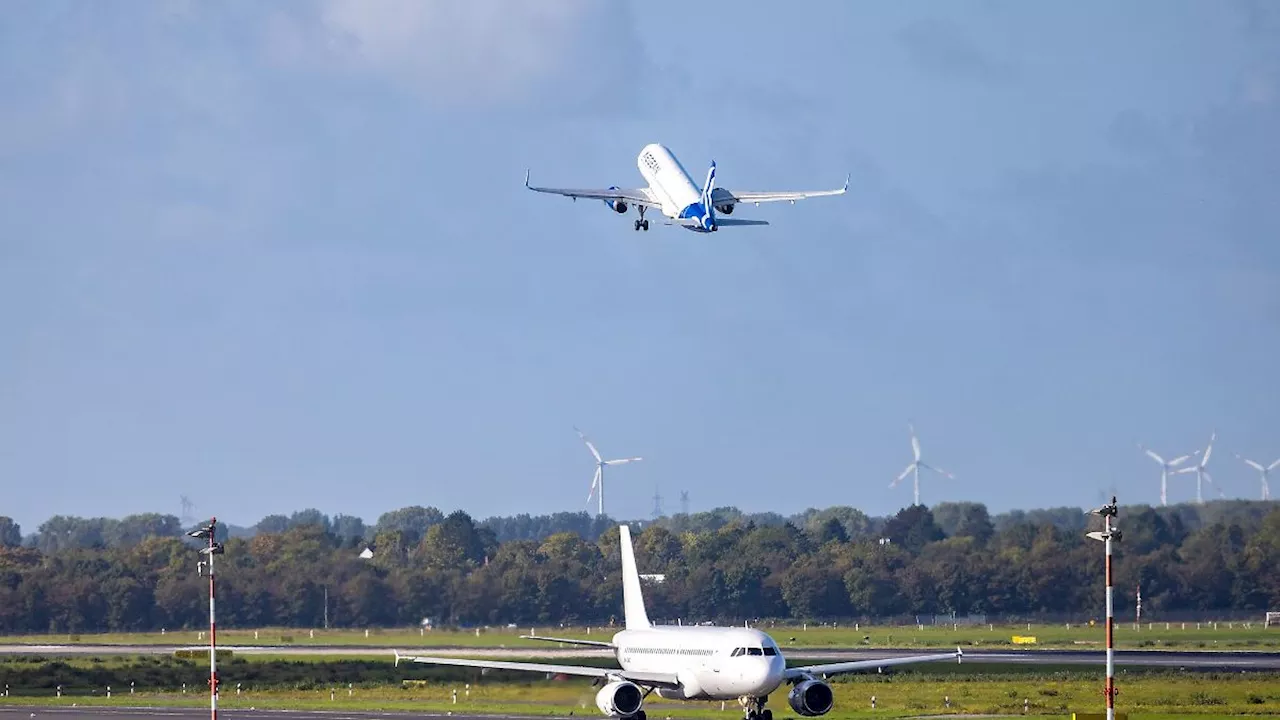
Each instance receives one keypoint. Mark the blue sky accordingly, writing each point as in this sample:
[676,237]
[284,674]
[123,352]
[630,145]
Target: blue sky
[277,256]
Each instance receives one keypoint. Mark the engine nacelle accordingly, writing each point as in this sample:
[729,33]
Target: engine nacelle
[619,699]
[725,209]
[811,697]
[617,206]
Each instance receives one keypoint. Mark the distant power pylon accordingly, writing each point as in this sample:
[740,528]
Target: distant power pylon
[684,502]
[657,504]
[187,508]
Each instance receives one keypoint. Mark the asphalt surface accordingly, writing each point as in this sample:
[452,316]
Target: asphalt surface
[1132,658]
[143,713]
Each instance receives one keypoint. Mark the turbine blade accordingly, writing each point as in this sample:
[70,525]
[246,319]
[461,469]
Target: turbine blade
[590,447]
[1208,449]
[1179,460]
[904,475]
[1255,465]
[1183,471]
[1274,465]
[940,471]
[915,443]
[1154,456]
[623,461]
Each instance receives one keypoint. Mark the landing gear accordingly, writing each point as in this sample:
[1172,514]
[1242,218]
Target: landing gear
[753,708]
[642,224]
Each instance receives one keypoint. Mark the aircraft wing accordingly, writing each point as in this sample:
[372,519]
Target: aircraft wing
[665,680]
[569,641]
[721,196]
[638,196]
[857,665]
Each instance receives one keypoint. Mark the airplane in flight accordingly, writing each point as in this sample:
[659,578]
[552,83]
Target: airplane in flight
[672,192]
[690,662]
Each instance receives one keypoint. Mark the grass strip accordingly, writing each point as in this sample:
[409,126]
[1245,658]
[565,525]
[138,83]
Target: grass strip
[1232,635]
[1200,695]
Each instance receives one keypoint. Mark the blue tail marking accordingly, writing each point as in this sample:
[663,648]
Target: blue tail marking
[704,210]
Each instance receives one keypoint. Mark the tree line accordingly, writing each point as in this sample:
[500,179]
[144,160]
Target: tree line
[139,573]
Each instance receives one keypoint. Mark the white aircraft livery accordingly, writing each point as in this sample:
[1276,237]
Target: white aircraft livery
[691,663]
[672,192]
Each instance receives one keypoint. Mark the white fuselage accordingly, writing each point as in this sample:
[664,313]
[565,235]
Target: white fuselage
[713,663]
[669,183]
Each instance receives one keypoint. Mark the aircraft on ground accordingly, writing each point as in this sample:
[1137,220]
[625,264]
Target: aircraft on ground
[672,192]
[690,662]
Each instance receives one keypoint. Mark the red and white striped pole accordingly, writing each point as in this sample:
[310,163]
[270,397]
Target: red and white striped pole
[1108,534]
[213,627]
[209,532]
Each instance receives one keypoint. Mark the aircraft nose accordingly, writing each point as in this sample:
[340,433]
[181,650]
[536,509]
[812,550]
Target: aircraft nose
[769,675]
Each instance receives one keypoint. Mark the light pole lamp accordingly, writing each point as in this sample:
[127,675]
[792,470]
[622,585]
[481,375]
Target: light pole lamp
[209,533]
[1107,535]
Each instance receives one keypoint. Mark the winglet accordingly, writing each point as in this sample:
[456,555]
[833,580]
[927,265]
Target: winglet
[846,182]
[959,655]
[397,652]
[526,177]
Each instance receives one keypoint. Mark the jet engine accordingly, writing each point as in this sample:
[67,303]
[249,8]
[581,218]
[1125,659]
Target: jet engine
[621,699]
[617,206]
[725,209]
[811,697]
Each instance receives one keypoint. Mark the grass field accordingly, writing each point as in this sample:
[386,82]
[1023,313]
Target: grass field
[1183,636]
[1201,696]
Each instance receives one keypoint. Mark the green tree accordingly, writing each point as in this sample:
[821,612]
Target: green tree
[10,532]
[412,521]
[913,528]
[813,590]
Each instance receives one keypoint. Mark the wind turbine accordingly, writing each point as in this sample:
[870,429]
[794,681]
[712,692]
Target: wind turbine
[915,466]
[1201,473]
[1263,471]
[1165,467]
[597,482]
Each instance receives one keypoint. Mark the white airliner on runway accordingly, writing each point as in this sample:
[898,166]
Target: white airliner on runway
[691,663]
[672,192]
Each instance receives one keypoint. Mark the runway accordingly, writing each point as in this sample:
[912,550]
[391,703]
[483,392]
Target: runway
[1226,660]
[143,713]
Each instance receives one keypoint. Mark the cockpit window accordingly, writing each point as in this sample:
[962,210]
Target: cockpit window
[755,651]
[771,651]
[736,652]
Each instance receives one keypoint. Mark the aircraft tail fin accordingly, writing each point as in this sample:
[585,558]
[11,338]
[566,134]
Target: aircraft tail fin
[709,186]
[632,599]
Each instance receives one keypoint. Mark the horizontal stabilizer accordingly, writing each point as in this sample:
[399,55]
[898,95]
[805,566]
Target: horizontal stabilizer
[720,221]
[568,641]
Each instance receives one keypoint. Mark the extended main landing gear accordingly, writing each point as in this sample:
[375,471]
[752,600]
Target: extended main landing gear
[642,223]
[753,708]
